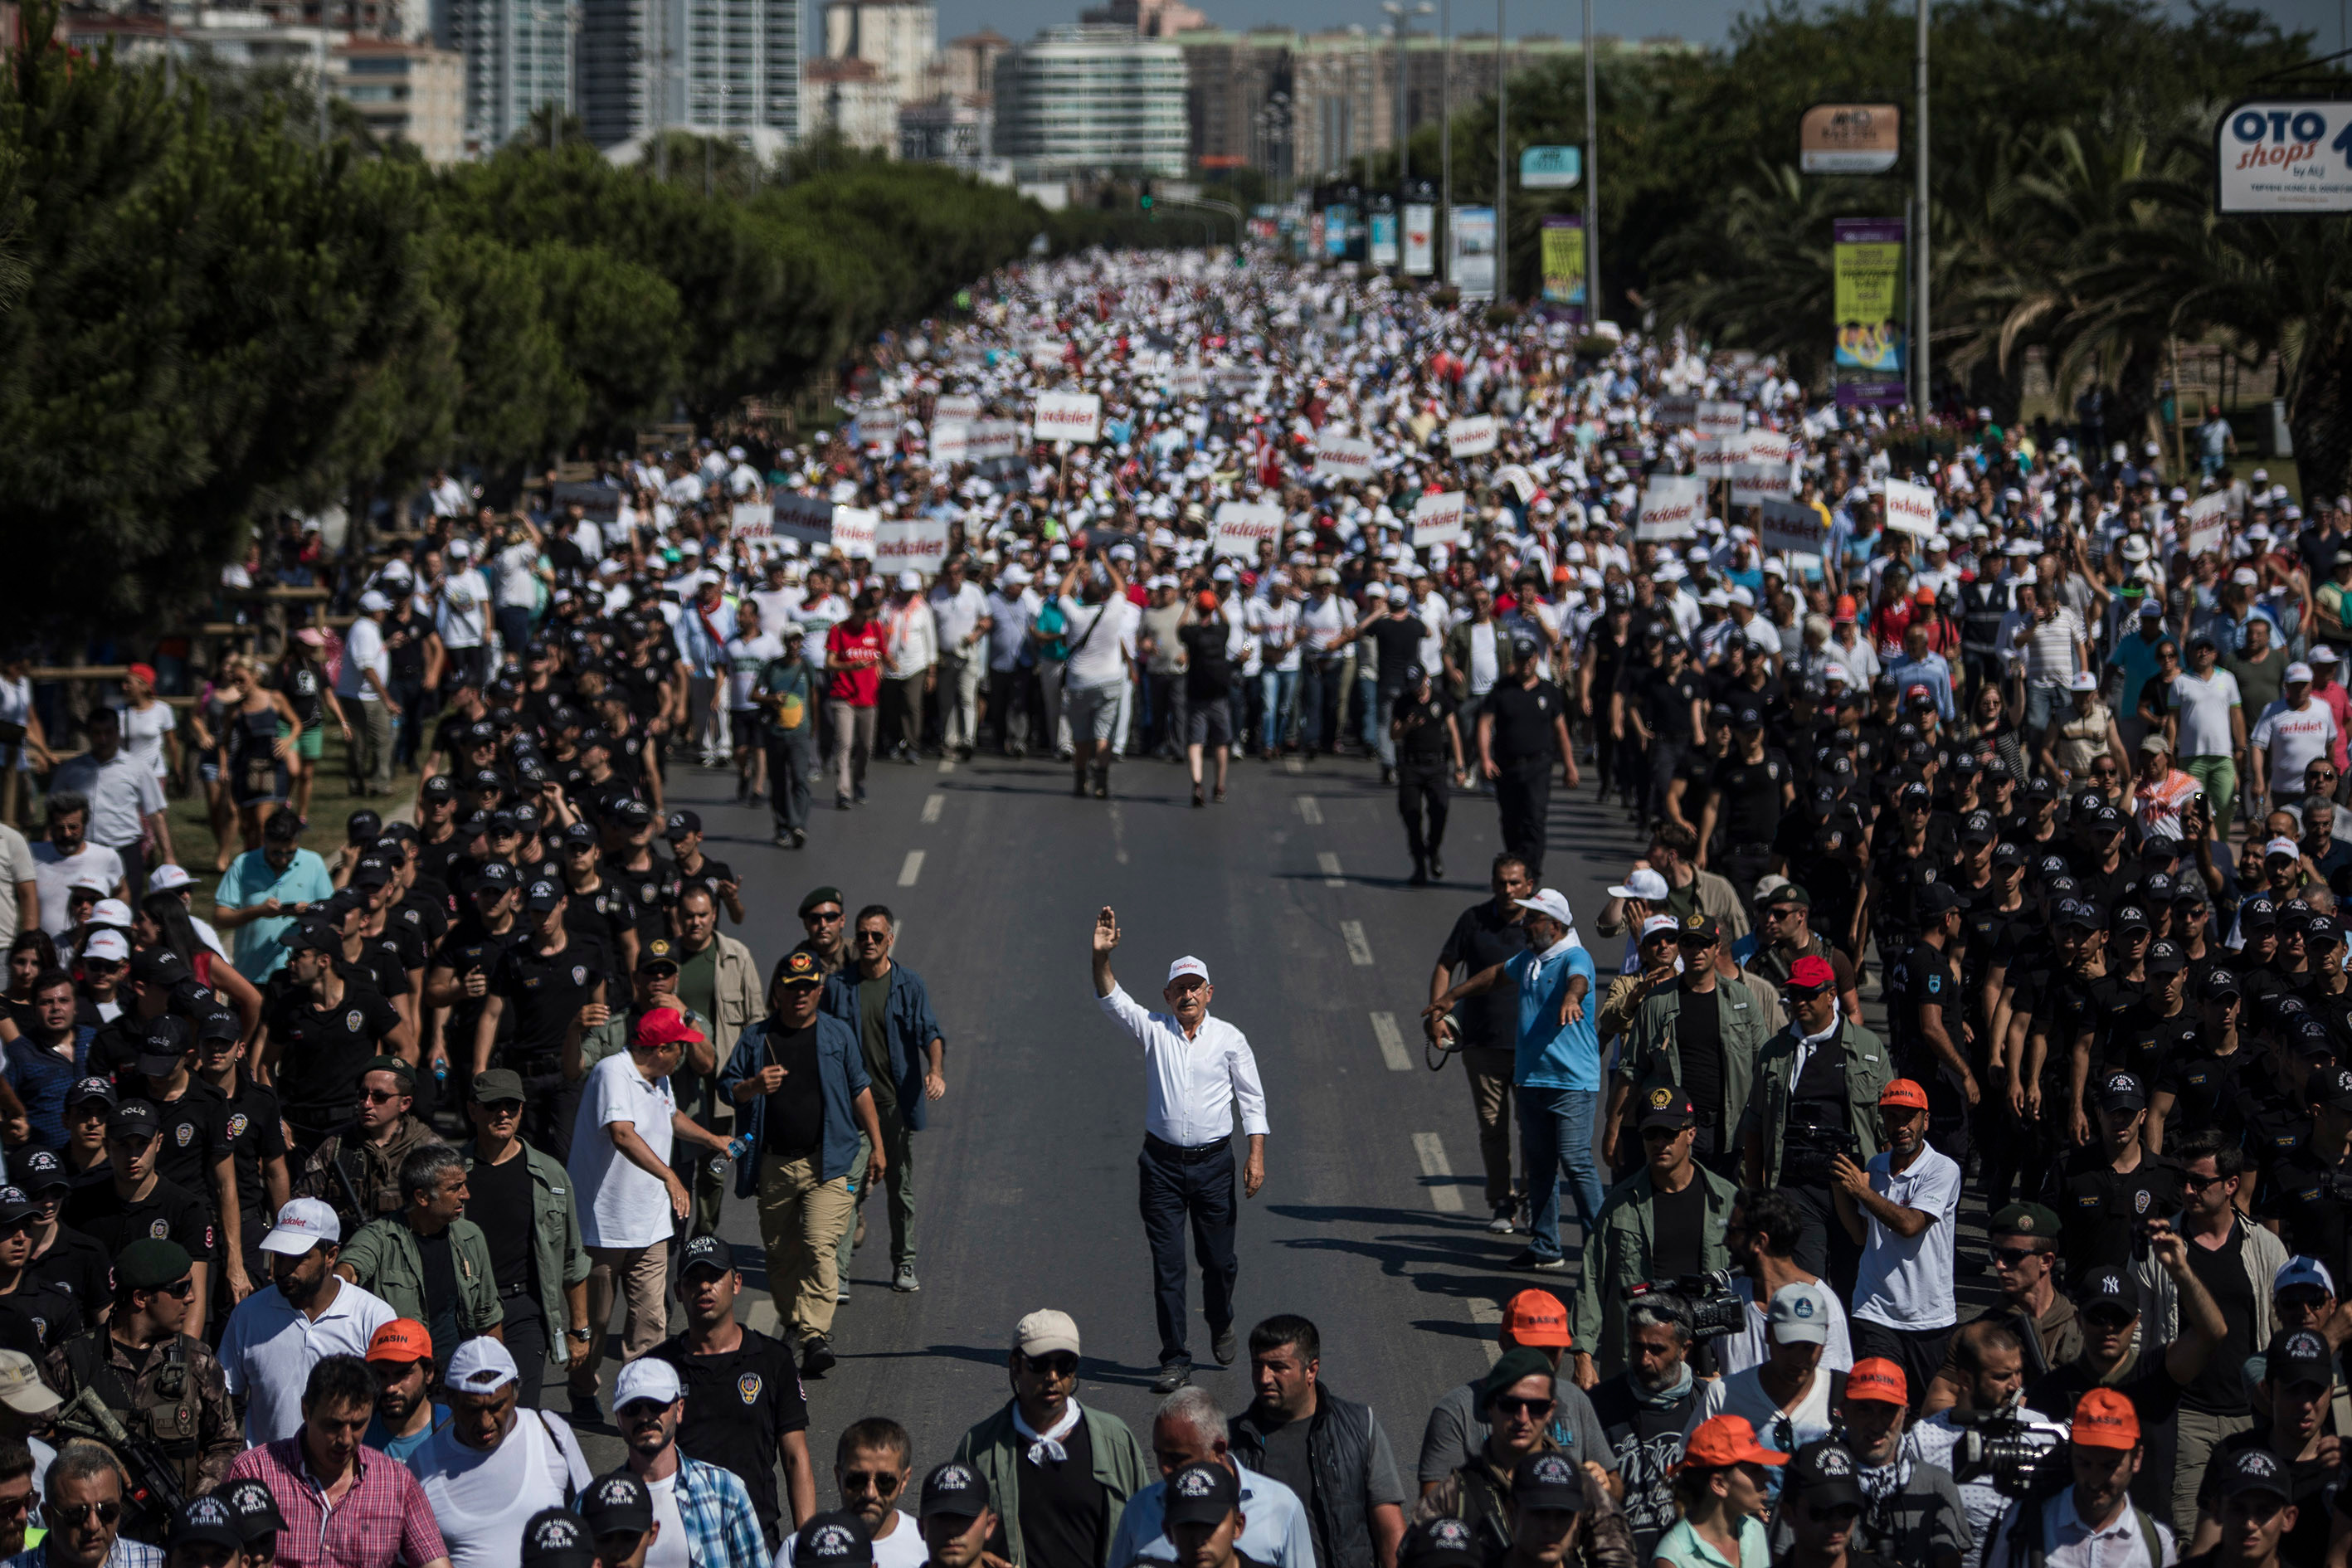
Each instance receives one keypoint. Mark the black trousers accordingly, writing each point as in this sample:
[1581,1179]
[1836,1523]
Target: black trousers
[526,1335]
[1523,792]
[1919,1352]
[549,1106]
[1823,1248]
[1660,762]
[1171,1189]
[1422,791]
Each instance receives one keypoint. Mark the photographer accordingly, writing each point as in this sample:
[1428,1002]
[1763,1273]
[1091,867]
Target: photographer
[2093,1521]
[2298,1375]
[1790,1396]
[1762,1238]
[1664,1221]
[1645,1410]
[2115,1355]
[1818,1084]
[1991,1363]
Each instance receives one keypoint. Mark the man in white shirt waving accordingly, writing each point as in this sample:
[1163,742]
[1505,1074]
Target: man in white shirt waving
[1201,1068]
[1903,1207]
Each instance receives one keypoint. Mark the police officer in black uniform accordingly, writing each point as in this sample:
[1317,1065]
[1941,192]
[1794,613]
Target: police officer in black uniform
[1522,728]
[1933,1044]
[2107,1190]
[1428,752]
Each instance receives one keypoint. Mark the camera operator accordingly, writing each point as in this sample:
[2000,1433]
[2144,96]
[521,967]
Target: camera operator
[1645,1410]
[1911,1512]
[1818,1084]
[1532,1320]
[2109,1188]
[2236,1260]
[1762,1238]
[1903,1207]
[2298,1375]
[2093,1523]
[2115,1356]
[2024,1240]
[1788,1398]
[1664,1221]
[1992,1366]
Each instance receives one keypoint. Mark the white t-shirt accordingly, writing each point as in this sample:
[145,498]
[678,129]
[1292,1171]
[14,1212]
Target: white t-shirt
[363,652]
[143,729]
[95,866]
[2203,707]
[669,1547]
[1737,1352]
[1102,658]
[2295,738]
[464,600]
[1742,1393]
[269,1346]
[17,866]
[902,1548]
[1275,621]
[1908,1284]
[621,1205]
[746,657]
[517,588]
[959,612]
[1486,664]
[482,1501]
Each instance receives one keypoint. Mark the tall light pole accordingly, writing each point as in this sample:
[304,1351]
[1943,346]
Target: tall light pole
[1919,235]
[1444,260]
[1503,162]
[1592,177]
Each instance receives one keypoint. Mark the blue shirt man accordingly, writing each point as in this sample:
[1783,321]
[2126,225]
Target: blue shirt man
[263,892]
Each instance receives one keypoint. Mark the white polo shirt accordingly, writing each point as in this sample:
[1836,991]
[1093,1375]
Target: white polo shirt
[2074,1544]
[621,1205]
[1907,1283]
[270,1345]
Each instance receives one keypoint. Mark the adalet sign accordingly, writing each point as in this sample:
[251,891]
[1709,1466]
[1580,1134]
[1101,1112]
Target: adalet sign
[2283,155]
[1440,520]
[1671,508]
[1242,526]
[1069,417]
[1471,437]
[1910,508]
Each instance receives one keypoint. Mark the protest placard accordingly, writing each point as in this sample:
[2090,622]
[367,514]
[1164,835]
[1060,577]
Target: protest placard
[1440,520]
[1068,416]
[1242,526]
[1471,437]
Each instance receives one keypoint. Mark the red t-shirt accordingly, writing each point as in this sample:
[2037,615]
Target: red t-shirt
[862,649]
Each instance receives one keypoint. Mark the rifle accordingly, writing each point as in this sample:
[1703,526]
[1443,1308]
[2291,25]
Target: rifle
[154,1482]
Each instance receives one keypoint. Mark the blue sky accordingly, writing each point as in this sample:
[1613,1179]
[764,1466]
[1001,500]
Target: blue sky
[1707,21]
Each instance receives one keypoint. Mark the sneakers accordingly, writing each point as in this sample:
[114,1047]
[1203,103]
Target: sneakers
[1224,1347]
[1173,1376]
[784,841]
[1528,1258]
[904,1282]
[1501,1224]
[1436,865]
[816,1356]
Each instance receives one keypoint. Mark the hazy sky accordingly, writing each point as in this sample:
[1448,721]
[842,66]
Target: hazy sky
[1707,21]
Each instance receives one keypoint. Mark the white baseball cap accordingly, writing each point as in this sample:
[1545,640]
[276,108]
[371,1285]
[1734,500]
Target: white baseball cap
[167,877]
[2300,1270]
[909,581]
[1550,901]
[2084,680]
[647,1377]
[111,912]
[374,603]
[1185,965]
[302,1225]
[1645,884]
[483,1365]
[2286,847]
[1799,1314]
[107,947]
[1660,925]
[2296,671]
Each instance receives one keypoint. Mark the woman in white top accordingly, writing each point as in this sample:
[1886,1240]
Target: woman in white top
[1719,1491]
[22,745]
[148,724]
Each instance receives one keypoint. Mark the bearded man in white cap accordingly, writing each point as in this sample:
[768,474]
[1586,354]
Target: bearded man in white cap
[1556,1069]
[494,1465]
[1200,1068]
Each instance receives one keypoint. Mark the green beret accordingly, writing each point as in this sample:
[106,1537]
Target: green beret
[2026,1219]
[393,1065]
[152,1265]
[1523,1362]
[822,895]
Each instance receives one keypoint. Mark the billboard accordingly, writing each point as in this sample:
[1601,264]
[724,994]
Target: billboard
[1420,239]
[1848,139]
[1470,252]
[2283,155]
[1384,240]
[1563,263]
[1867,309]
[1550,168]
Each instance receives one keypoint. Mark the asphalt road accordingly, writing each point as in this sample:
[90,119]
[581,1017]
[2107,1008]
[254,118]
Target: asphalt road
[1371,1221]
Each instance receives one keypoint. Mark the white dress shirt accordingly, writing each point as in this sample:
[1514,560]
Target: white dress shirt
[2074,1544]
[1195,1081]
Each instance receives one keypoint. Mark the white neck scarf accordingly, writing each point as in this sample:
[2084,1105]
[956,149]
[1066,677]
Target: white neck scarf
[1805,1044]
[1048,1445]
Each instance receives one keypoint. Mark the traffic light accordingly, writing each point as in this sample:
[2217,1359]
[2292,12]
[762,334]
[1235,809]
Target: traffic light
[1147,195]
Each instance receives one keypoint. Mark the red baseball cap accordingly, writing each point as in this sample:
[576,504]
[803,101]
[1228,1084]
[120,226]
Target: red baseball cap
[1906,1093]
[1536,1318]
[1723,1440]
[662,1026]
[1811,973]
[1878,1379]
[2106,1419]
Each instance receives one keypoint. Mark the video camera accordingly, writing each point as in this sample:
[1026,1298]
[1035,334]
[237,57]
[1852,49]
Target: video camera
[1715,1309]
[1810,1144]
[2023,1459]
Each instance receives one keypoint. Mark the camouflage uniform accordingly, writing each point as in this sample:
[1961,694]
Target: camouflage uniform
[171,1395]
[374,1172]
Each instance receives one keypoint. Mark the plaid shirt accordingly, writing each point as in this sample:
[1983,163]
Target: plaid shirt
[383,1520]
[126,1554]
[720,1527]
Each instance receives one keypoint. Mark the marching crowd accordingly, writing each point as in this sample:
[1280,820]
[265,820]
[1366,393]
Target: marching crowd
[317,1181]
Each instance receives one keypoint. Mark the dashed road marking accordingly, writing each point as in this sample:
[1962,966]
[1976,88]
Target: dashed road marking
[1328,864]
[1487,1315]
[1118,835]
[911,869]
[1391,1042]
[762,1318]
[1444,1195]
[932,806]
[1310,811]
[1359,951]
[946,765]
[1292,766]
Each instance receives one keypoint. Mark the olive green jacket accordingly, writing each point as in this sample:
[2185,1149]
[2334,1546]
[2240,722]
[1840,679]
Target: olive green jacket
[1869,1069]
[1621,1258]
[555,1244]
[1651,1054]
[385,1257]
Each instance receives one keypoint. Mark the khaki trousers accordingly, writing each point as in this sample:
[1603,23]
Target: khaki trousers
[1489,1071]
[640,1276]
[801,1222]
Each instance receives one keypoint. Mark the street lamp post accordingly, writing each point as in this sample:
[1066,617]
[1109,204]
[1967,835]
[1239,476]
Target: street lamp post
[1919,236]
[1592,177]
[1403,28]
[1441,260]
[1503,163]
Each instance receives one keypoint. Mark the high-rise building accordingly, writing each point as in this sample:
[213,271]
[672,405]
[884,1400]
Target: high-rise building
[715,68]
[899,38]
[968,65]
[849,98]
[1091,99]
[413,93]
[518,59]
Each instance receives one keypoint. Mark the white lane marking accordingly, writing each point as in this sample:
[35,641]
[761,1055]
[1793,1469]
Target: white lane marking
[932,806]
[1488,1316]
[762,1318]
[1118,835]
[946,765]
[1328,864]
[1310,811]
[911,869]
[1391,1042]
[1444,1195]
[1292,766]
[1359,951]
